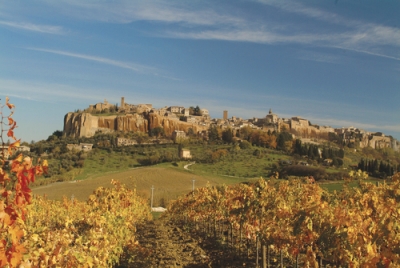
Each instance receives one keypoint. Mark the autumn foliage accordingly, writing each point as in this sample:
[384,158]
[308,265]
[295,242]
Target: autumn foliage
[298,220]
[36,232]
[15,192]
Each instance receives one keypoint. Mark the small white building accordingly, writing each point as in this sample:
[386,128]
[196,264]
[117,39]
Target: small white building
[185,154]
[80,147]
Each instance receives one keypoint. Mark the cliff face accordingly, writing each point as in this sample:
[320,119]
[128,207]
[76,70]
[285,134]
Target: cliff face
[170,125]
[80,125]
[86,125]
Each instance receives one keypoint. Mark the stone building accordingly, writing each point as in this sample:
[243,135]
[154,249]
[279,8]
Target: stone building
[178,135]
[23,149]
[126,142]
[80,147]
[186,112]
[102,106]
[225,115]
[271,118]
[204,112]
[176,109]
[379,141]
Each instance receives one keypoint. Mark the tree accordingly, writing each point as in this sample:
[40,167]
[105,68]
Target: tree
[245,133]
[197,110]
[298,147]
[194,110]
[213,134]
[190,132]
[227,135]
[157,131]
[56,151]
[281,140]
[140,137]
[245,145]
[58,133]
[218,154]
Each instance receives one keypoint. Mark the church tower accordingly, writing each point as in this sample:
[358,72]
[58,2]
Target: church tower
[122,102]
[225,115]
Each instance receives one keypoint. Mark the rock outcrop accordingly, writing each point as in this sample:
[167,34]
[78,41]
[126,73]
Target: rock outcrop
[86,125]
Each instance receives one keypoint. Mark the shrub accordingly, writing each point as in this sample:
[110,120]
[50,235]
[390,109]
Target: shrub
[245,145]
[337,176]
[297,170]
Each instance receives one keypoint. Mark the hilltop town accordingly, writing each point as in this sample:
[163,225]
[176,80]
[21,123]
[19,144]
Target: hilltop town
[178,121]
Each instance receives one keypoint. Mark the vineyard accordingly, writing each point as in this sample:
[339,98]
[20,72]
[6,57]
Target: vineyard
[268,223]
[35,232]
[96,233]
[296,223]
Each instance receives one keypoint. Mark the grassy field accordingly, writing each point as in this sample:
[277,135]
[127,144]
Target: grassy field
[243,164]
[168,180]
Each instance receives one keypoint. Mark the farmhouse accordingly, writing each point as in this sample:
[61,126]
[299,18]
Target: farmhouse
[126,142]
[185,154]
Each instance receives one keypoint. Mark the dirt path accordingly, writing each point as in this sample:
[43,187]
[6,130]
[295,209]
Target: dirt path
[166,245]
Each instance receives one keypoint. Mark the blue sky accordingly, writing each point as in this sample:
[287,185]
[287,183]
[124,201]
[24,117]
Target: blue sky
[333,62]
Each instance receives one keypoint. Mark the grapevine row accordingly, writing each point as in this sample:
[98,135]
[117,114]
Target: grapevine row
[297,219]
[96,233]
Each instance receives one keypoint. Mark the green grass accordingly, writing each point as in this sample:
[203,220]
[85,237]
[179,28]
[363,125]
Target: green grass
[338,186]
[156,215]
[169,179]
[241,164]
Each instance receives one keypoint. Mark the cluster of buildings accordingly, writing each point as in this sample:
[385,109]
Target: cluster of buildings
[302,128]
[298,126]
[122,108]
[5,150]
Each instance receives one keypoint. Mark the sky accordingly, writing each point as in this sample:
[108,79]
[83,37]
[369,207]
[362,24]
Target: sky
[333,62]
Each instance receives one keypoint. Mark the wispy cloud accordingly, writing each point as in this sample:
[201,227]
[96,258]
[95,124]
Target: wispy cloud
[257,36]
[126,11]
[356,35]
[188,20]
[47,92]
[49,29]
[120,64]
[369,53]
[318,57]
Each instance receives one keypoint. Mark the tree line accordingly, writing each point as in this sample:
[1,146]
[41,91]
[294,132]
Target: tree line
[378,168]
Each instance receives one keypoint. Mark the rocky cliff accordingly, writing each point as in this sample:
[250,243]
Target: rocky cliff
[86,125]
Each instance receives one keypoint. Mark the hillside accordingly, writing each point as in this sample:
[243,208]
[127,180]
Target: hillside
[144,118]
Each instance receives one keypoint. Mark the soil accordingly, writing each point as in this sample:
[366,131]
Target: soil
[164,244]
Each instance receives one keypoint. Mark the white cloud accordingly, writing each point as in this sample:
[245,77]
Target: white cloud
[318,57]
[121,64]
[127,11]
[356,35]
[369,52]
[49,29]
[195,20]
